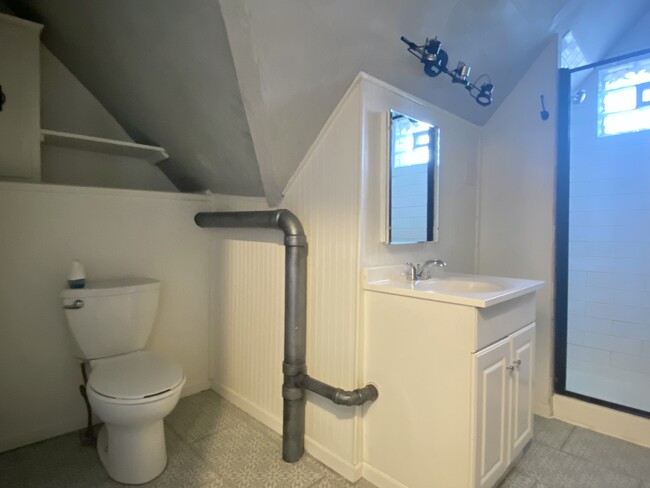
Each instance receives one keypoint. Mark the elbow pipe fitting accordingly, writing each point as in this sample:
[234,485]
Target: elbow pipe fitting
[368,393]
[282,219]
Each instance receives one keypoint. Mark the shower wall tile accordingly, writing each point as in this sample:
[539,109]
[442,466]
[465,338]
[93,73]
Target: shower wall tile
[639,364]
[612,343]
[646,348]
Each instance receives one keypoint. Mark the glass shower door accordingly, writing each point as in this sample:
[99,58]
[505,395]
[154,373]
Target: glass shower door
[603,245]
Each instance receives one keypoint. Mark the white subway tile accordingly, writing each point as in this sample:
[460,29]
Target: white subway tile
[626,362]
[646,348]
[588,354]
[612,343]
[621,313]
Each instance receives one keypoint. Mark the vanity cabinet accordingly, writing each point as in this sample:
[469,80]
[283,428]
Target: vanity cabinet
[502,385]
[455,382]
[20,114]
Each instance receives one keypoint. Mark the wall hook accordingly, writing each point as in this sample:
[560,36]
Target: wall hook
[544,113]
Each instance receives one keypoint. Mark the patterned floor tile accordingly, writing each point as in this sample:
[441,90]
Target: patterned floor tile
[559,469]
[331,479]
[213,444]
[58,462]
[619,455]
[247,458]
[551,431]
[203,414]
[184,468]
[516,479]
[341,483]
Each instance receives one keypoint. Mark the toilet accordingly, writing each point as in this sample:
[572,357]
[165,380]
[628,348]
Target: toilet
[129,389]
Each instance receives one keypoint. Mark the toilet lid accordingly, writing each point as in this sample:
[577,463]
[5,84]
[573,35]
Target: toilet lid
[133,376]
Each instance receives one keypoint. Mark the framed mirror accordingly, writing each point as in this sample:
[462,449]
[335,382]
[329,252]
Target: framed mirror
[413,180]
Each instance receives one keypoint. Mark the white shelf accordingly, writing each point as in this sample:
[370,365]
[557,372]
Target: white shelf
[151,154]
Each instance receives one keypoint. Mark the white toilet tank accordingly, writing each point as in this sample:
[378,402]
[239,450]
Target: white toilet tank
[112,317]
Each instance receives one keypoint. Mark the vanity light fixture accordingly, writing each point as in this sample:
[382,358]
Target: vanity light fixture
[435,62]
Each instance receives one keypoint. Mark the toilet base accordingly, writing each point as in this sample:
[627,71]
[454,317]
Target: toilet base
[133,455]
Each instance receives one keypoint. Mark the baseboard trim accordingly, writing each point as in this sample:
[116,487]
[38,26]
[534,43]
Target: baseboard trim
[542,409]
[379,478]
[622,425]
[349,471]
[267,418]
[192,388]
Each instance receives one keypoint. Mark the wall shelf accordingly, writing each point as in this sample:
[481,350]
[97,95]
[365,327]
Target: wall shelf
[151,154]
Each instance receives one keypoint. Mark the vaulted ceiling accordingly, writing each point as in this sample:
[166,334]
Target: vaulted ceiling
[237,90]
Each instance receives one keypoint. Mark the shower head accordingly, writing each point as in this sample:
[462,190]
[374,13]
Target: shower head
[579,97]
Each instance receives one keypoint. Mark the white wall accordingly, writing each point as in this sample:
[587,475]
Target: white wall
[113,233]
[517,199]
[459,142]
[67,106]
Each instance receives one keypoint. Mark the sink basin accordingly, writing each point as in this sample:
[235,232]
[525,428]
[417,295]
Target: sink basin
[461,289]
[460,286]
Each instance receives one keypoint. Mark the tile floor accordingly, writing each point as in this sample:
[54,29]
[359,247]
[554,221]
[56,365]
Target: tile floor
[213,444]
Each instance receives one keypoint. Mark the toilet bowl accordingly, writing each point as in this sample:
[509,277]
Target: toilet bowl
[132,394]
[129,389]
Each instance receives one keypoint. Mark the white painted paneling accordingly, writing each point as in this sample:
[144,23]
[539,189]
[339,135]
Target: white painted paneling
[249,286]
[113,233]
[517,198]
[459,143]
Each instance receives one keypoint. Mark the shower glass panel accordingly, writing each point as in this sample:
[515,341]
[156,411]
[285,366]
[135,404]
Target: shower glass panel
[604,234]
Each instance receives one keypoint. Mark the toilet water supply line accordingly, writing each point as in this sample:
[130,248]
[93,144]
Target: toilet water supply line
[296,379]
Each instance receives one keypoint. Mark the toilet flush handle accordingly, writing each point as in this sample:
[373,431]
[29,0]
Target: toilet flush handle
[77,304]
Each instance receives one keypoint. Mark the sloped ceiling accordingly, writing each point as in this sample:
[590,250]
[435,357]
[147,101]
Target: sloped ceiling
[163,69]
[238,112]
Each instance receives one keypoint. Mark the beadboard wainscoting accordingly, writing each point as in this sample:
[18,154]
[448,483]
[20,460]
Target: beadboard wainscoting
[249,295]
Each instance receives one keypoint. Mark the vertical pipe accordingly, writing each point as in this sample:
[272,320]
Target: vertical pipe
[295,313]
[295,347]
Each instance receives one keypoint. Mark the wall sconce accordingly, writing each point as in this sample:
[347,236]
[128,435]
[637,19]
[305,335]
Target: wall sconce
[435,62]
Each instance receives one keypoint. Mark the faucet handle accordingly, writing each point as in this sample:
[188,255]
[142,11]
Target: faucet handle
[411,272]
[439,262]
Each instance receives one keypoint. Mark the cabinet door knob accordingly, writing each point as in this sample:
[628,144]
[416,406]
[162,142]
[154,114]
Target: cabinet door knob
[517,362]
[510,368]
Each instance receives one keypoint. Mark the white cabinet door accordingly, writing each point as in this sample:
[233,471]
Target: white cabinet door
[20,115]
[521,426]
[492,388]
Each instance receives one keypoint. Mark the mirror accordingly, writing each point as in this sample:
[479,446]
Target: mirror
[413,174]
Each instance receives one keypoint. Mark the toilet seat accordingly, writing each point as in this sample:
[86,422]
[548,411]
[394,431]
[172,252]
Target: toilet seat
[139,375]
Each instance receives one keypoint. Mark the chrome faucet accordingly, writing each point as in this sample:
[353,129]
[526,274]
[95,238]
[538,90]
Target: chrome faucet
[423,271]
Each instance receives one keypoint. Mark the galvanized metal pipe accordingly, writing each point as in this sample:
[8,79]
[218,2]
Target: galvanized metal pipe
[295,324]
[368,393]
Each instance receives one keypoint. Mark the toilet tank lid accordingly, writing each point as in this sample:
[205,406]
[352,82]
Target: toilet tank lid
[133,376]
[111,287]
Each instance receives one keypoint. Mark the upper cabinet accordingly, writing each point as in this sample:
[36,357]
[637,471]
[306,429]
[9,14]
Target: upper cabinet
[20,98]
